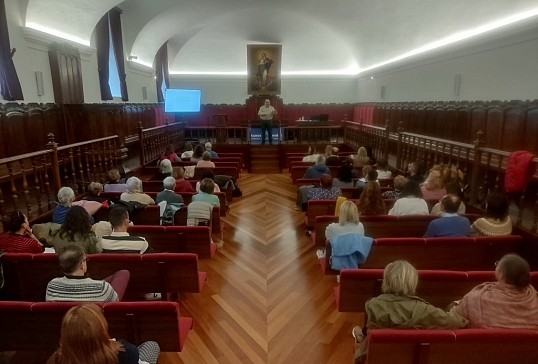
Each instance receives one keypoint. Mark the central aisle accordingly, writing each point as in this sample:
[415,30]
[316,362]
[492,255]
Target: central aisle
[266,300]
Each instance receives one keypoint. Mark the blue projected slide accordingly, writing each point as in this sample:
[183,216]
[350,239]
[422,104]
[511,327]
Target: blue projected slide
[176,100]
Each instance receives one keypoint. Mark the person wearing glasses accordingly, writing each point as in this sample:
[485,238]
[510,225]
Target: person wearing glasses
[19,237]
[76,286]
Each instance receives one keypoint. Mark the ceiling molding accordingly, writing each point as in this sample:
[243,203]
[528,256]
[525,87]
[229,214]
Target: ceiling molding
[140,69]
[41,41]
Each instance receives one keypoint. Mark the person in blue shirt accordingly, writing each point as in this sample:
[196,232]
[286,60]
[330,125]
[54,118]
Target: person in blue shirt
[450,223]
[208,147]
[318,170]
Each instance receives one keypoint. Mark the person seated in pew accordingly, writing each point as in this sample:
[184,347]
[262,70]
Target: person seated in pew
[207,173]
[496,222]
[208,148]
[348,221]
[325,191]
[66,197]
[414,171]
[509,303]
[85,327]
[170,154]
[344,177]
[19,237]
[77,230]
[94,193]
[168,193]
[361,159]
[188,150]
[317,170]
[434,187]
[368,174]
[165,169]
[120,240]
[371,202]
[331,159]
[382,168]
[398,307]
[197,154]
[76,286]
[450,223]
[205,162]
[182,185]
[312,155]
[207,188]
[115,183]
[452,188]
[399,181]
[410,201]
[135,193]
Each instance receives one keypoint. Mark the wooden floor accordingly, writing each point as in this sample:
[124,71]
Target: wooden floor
[266,300]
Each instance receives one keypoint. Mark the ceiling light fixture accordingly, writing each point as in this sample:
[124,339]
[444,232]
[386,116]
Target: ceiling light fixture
[58,33]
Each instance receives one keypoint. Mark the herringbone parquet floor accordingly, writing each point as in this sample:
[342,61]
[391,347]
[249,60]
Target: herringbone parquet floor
[266,300]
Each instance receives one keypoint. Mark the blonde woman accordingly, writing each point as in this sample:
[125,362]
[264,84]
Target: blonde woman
[434,187]
[348,222]
[361,159]
[399,308]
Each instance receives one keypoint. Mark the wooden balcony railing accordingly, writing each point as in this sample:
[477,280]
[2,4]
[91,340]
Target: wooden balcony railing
[153,141]
[358,135]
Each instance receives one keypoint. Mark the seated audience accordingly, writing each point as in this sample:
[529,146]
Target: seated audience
[399,181]
[399,307]
[509,303]
[208,173]
[85,327]
[182,185]
[168,193]
[349,162]
[348,222]
[165,169]
[450,223]
[205,162]
[317,170]
[170,154]
[207,186]
[188,150]
[208,148]
[452,188]
[115,182]
[312,155]
[199,213]
[66,196]
[325,191]
[344,177]
[368,174]
[77,230]
[119,239]
[19,237]
[75,286]
[434,187]
[497,222]
[382,168]
[197,154]
[414,171]
[331,159]
[94,193]
[410,201]
[361,159]
[135,193]
[371,202]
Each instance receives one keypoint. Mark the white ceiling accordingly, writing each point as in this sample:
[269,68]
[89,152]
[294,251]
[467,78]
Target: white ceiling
[338,36]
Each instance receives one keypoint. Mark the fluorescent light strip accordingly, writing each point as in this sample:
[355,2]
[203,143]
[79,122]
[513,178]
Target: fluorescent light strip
[142,63]
[458,37]
[233,73]
[57,33]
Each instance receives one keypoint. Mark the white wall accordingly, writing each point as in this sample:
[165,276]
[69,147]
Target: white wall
[295,89]
[508,72]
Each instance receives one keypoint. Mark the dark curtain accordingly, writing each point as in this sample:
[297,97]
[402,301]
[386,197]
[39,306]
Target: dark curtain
[161,70]
[117,41]
[9,81]
[103,46]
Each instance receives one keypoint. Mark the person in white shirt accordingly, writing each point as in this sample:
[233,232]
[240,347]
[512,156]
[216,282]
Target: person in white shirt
[135,193]
[188,150]
[119,239]
[266,114]
[410,201]
[382,168]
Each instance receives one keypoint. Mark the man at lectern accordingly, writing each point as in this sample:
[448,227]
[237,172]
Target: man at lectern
[266,115]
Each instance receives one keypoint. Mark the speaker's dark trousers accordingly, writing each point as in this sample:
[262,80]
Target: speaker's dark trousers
[267,125]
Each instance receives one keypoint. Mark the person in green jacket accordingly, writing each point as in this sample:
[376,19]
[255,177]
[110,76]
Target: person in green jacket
[76,229]
[399,308]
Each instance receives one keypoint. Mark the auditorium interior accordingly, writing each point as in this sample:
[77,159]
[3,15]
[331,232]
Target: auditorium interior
[86,88]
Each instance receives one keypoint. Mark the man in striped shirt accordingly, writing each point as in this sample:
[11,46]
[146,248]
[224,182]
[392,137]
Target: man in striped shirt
[75,286]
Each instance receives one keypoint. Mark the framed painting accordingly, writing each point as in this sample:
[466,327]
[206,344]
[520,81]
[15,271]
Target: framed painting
[264,62]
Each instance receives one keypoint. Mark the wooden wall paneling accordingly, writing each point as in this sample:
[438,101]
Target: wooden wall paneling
[429,120]
[478,120]
[65,64]
[36,131]
[513,129]
[420,119]
[462,128]
[494,126]
[440,122]
[53,123]
[14,130]
[449,129]
[408,118]
[531,129]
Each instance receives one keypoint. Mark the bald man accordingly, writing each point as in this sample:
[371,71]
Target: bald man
[450,224]
[266,115]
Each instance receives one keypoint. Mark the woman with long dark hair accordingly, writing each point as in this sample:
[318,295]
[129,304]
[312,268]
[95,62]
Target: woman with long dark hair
[77,230]
[19,237]
[371,201]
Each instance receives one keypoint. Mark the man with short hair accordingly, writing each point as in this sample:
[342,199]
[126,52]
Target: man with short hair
[266,114]
[168,194]
[75,286]
[450,223]
[317,170]
[414,170]
[208,147]
[119,239]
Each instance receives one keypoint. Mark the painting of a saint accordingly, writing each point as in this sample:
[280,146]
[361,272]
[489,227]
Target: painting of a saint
[264,69]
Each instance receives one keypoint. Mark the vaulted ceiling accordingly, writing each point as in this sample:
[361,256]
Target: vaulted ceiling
[317,36]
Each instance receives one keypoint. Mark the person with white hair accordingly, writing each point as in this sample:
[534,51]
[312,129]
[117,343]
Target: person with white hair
[66,196]
[168,193]
[165,169]
[135,193]
[208,147]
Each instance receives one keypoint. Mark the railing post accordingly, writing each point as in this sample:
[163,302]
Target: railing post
[476,165]
[387,139]
[56,180]
[399,147]
[141,143]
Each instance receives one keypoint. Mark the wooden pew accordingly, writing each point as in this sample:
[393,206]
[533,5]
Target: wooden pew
[29,274]
[465,253]
[157,186]
[178,239]
[465,346]
[29,326]
[383,226]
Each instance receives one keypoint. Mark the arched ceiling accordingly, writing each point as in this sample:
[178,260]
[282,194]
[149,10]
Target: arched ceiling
[339,36]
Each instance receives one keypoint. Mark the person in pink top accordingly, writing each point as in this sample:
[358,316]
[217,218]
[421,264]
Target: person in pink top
[205,162]
[182,185]
[19,237]
[434,187]
[509,303]
[170,154]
